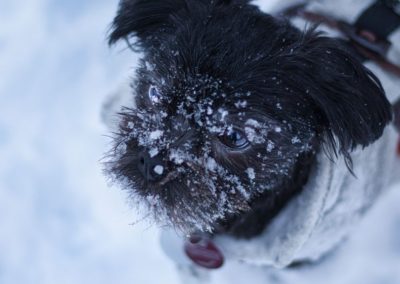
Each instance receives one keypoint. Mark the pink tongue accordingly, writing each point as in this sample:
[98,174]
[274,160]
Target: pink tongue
[204,253]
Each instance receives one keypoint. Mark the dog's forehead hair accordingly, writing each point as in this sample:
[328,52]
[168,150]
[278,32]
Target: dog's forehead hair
[177,84]
[194,96]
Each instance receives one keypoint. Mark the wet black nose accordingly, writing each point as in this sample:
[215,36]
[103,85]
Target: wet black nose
[152,168]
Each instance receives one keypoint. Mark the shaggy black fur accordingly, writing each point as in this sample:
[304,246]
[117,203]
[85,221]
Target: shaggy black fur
[232,107]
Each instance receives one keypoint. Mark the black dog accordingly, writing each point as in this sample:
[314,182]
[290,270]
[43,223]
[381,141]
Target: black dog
[232,107]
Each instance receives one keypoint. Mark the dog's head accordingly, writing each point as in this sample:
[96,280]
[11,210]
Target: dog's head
[228,98]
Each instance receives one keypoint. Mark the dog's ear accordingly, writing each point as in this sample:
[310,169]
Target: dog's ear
[349,98]
[143,18]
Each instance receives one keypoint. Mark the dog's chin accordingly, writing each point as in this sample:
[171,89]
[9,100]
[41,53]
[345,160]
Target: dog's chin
[196,210]
[199,210]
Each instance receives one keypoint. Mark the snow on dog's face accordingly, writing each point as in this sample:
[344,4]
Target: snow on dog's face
[195,151]
[228,98]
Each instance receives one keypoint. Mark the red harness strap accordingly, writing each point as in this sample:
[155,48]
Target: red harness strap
[367,43]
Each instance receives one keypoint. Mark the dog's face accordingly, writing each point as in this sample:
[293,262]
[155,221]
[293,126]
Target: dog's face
[228,99]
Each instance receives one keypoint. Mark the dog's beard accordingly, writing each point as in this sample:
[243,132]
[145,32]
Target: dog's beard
[202,181]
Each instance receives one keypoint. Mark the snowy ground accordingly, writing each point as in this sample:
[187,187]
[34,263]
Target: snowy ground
[59,221]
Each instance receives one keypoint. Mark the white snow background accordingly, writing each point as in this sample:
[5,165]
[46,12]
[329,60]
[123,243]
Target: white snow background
[59,220]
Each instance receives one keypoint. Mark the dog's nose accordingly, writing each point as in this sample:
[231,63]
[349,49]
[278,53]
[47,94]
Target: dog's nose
[152,168]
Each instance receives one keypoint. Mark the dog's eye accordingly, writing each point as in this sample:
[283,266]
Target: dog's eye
[234,139]
[154,94]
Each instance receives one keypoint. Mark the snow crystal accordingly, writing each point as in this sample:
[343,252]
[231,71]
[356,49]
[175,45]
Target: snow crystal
[211,164]
[159,169]
[255,131]
[222,201]
[223,113]
[252,122]
[176,157]
[250,134]
[296,140]
[216,129]
[241,188]
[270,146]
[278,129]
[131,125]
[156,135]
[241,104]
[250,173]
[153,152]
